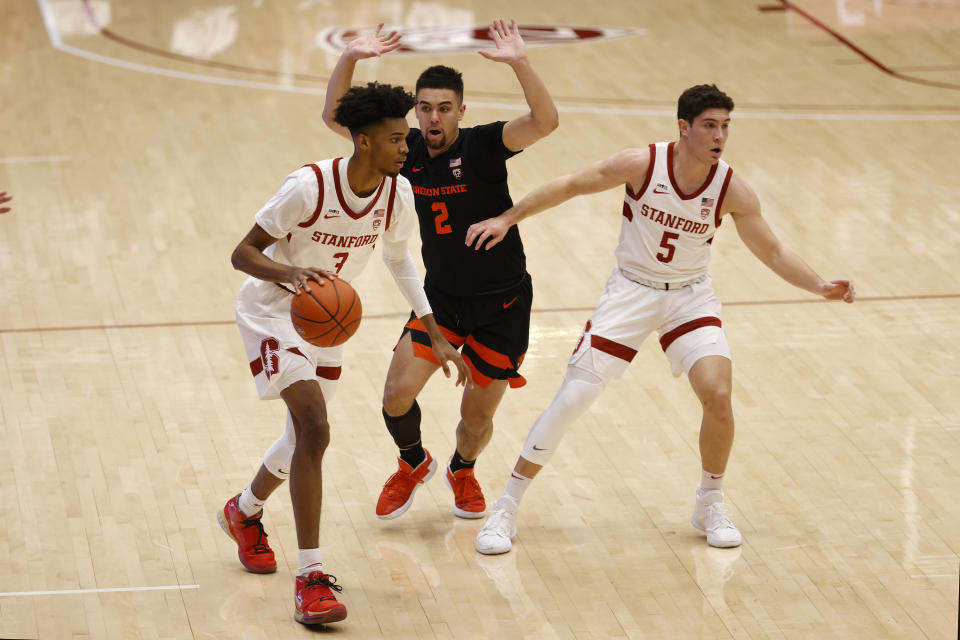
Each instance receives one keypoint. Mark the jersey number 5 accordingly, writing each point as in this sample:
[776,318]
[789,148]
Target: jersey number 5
[667,243]
[440,221]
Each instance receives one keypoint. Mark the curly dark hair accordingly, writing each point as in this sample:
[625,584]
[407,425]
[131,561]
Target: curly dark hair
[363,106]
[441,77]
[698,99]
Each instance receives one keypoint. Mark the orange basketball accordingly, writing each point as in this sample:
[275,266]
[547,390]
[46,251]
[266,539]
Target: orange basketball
[326,315]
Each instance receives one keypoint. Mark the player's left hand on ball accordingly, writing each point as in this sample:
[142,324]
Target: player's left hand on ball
[838,290]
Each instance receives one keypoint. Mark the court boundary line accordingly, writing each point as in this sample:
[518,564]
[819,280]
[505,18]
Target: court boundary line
[58,592]
[400,314]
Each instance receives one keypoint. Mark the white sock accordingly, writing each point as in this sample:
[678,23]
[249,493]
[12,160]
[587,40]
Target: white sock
[710,481]
[249,504]
[309,560]
[517,486]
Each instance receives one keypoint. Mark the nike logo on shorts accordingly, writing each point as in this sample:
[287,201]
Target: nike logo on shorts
[506,305]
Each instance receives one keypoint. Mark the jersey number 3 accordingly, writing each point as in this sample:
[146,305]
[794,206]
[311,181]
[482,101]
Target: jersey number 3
[440,221]
[667,243]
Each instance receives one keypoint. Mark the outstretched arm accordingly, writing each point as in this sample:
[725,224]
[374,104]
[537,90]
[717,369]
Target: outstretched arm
[368,45]
[542,118]
[626,167]
[744,206]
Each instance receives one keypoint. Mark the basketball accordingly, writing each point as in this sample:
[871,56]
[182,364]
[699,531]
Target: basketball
[326,315]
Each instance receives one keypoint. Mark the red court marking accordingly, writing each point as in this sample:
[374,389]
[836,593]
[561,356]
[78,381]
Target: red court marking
[403,315]
[787,5]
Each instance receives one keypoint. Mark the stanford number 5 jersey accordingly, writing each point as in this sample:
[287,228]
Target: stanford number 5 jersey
[665,233]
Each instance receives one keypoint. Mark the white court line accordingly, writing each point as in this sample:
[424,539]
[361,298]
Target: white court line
[29,159]
[175,587]
[58,44]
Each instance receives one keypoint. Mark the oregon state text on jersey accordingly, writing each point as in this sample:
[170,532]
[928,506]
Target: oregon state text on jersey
[317,227]
[464,185]
[665,234]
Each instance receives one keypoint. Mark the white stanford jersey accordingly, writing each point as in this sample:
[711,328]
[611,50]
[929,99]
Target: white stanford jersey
[665,234]
[316,226]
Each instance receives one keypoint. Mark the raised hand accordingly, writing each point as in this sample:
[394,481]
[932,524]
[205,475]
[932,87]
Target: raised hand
[510,47]
[373,44]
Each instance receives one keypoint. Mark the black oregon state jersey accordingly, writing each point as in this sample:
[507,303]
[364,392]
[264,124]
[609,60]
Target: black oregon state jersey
[465,184]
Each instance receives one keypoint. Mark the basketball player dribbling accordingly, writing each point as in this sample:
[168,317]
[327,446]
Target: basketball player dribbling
[677,194]
[482,301]
[362,200]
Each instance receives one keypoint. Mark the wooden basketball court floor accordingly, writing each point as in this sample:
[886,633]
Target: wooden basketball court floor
[139,138]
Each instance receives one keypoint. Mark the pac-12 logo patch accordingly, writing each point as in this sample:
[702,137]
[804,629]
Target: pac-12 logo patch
[469,38]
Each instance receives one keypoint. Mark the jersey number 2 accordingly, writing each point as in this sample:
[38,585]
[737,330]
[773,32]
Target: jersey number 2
[441,220]
[667,243]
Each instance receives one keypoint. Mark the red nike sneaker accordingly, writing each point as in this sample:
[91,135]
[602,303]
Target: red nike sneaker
[468,499]
[397,494]
[254,552]
[315,602]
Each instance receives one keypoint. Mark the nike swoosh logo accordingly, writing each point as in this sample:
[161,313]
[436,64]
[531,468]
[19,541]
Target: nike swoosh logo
[655,191]
[716,477]
[416,169]
[536,448]
[507,304]
[326,217]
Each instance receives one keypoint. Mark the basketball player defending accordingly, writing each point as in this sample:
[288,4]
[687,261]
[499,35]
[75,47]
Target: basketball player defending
[481,300]
[362,201]
[676,196]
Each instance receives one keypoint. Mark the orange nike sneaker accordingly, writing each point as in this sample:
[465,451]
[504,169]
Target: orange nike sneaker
[397,494]
[254,552]
[315,602]
[468,499]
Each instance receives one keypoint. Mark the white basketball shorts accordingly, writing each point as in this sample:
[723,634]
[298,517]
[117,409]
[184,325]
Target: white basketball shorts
[279,356]
[687,320]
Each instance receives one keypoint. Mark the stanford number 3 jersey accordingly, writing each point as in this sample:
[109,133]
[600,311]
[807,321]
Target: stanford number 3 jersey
[665,233]
[312,216]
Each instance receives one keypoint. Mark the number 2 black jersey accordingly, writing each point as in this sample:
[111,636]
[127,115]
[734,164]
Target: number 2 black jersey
[465,184]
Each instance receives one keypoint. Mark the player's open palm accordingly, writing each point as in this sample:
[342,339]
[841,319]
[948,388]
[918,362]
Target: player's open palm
[373,44]
[510,45]
[838,290]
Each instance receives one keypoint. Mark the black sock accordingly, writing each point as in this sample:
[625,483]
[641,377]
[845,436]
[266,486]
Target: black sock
[457,462]
[405,430]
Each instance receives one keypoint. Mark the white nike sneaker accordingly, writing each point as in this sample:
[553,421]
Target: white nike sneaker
[500,528]
[710,515]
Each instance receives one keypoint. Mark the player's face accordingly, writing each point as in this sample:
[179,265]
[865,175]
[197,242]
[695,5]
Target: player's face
[388,145]
[439,113]
[707,135]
